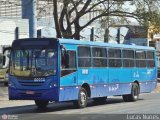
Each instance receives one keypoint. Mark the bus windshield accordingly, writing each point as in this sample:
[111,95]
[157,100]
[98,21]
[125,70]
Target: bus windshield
[33,62]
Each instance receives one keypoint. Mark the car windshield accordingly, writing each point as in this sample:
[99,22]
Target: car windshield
[35,62]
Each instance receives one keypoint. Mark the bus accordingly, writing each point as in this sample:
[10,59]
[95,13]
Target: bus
[4,64]
[59,70]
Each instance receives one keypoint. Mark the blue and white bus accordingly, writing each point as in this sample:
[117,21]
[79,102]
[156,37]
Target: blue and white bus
[50,69]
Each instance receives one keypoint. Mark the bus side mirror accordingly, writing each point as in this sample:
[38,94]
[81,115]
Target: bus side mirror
[67,59]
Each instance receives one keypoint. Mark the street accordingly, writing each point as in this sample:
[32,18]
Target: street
[148,104]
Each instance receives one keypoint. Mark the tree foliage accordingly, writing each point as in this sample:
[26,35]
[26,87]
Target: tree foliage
[69,15]
[148,12]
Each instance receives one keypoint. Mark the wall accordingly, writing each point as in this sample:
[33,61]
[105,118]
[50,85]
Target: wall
[7,30]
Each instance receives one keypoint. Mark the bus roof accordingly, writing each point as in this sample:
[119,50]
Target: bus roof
[82,42]
[87,43]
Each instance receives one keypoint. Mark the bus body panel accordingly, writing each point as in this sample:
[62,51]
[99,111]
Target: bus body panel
[68,87]
[147,78]
[68,83]
[39,88]
[35,87]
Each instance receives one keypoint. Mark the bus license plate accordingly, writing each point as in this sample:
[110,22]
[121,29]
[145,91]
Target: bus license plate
[30,92]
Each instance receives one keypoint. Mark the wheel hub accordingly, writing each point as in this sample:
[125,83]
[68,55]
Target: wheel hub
[83,98]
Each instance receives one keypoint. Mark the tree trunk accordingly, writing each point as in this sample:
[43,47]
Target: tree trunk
[67,34]
[77,36]
[77,28]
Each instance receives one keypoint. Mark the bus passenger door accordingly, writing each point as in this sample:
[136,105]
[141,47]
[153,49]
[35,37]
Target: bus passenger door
[68,81]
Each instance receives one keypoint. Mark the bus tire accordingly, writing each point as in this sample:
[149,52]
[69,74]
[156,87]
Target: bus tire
[5,83]
[100,99]
[125,98]
[41,103]
[134,96]
[82,99]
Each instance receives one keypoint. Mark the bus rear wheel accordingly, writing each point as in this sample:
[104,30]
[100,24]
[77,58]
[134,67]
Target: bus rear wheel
[41,103]
[134,96]
[82,99]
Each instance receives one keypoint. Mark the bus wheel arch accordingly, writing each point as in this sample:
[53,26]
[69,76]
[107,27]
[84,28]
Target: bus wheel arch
[84,93]
[134,95]
[87,88]
[137,82]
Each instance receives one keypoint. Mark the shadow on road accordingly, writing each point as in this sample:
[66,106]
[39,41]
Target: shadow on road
[54,107]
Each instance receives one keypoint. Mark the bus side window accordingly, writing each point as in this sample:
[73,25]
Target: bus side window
[114,55]
[150,59]
[63,61]
[68,63]
[84,56]
[141,58]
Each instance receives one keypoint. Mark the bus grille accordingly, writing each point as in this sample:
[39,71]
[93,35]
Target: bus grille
[31,83]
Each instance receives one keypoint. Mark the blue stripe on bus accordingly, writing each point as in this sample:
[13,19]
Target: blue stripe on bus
[71,92]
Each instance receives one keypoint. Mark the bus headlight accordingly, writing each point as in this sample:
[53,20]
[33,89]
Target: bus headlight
[51,85]
[11,84]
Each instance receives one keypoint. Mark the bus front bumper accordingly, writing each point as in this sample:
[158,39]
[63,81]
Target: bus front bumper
[48,94]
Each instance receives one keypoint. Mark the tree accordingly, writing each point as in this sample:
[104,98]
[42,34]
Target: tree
[148,13]
[68,19]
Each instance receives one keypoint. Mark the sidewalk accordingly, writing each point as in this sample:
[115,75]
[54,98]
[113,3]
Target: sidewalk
[157,90]
[5,102]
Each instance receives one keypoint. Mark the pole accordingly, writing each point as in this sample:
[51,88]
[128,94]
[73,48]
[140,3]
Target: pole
[92,34]
[118,35]
[16,33]
[29,11]
[106,35]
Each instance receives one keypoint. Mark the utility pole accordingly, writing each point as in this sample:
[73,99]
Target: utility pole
[16,33]
[118,35]
[29,11]
[92,34]
[106,34]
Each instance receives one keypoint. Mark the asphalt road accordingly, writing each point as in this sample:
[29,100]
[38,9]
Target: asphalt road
[114,108]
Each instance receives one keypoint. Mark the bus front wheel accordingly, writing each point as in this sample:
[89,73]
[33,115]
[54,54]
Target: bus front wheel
[134,96]
[41,103]
[82,99]
[5,83]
